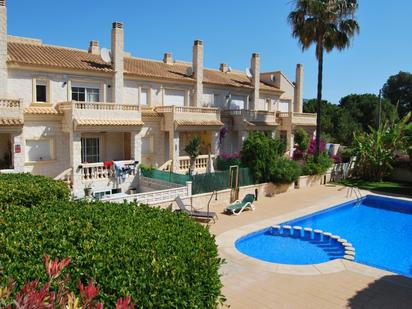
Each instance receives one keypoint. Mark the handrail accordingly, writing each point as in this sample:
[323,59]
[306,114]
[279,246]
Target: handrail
[357,192]
[186,109]
[100,106]
[10,103]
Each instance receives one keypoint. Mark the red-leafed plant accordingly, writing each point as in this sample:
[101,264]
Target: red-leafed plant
[44,296]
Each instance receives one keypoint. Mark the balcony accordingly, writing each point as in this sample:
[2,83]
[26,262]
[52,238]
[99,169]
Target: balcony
[86,116]
[11,112]
[185,118]
[289,119]
[250,119]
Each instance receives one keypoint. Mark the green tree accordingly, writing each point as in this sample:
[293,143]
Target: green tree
[398,90]
[193,150]
[364,109]
[328,24]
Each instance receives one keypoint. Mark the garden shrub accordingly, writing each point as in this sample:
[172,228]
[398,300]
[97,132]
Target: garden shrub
[259,152]
[317,166]
[284,171]
[302,139]
[159,258]
[225,161]
[29,190]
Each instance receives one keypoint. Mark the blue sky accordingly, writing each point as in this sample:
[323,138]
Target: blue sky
[231,31]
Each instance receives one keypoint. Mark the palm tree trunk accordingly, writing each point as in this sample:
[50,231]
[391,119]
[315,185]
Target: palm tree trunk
[319,98]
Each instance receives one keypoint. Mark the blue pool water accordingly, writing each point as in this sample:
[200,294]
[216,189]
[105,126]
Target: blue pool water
[379,228]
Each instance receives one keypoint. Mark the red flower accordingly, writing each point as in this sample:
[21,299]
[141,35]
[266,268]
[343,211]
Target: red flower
[54,268]
[124,303]
[88,293]
[31,297]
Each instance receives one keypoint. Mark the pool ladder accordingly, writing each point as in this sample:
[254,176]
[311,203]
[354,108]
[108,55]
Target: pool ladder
[355,190]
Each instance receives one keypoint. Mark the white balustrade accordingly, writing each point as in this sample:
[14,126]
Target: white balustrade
[96,171]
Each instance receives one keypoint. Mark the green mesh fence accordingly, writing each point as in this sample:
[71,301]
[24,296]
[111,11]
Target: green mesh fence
[203,183]
[166,176]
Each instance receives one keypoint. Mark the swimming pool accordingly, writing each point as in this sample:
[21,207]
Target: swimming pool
[379,228]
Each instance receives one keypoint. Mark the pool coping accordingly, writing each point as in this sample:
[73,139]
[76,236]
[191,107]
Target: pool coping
[226,243]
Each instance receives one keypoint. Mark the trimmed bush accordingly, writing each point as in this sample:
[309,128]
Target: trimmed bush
[29,190]
[284,171]
[317,166]
[159,258]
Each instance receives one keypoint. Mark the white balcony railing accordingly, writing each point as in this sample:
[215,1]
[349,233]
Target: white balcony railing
[184,163]
[288,118]
[11,108]
[99,170]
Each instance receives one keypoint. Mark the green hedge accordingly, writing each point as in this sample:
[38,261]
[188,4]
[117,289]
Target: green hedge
[223,164]
[284,171]
[28,190]
[317,166]
[161,259]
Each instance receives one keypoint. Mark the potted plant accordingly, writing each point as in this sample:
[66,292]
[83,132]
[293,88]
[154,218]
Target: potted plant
[88,189]
[193,150]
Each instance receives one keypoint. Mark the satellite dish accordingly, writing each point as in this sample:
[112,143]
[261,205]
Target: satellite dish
[249,73]
[106,55]
[272,77]
[189,71]
[229,69]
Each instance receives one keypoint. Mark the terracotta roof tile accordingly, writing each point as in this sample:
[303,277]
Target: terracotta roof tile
[42,110]
[11,122]
[104,122]
[157,69]
[185,123]
[61,57]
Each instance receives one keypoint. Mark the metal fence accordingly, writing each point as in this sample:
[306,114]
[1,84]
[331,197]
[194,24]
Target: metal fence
[203,183]
[166,176]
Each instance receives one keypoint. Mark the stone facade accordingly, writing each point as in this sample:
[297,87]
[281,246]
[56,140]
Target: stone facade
[128,115]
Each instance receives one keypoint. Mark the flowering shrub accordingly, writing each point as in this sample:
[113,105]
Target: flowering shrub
[312,146]
[160,258]
[226,160]
[35,295]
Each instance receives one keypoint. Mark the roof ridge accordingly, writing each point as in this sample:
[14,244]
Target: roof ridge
[50,45]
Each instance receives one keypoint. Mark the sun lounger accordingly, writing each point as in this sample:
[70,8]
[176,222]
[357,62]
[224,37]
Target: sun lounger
[205,215]
[238,206]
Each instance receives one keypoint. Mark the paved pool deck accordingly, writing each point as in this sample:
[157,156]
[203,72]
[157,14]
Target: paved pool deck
[249,283]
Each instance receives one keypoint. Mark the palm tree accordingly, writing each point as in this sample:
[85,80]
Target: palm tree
[328,24]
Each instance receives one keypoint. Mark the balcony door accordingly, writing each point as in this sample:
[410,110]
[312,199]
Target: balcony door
[85,92]
[90,149]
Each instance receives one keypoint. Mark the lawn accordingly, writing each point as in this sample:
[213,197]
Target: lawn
[384,186]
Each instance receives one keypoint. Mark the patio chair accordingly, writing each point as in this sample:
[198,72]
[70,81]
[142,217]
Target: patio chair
[197,214]
[238,206]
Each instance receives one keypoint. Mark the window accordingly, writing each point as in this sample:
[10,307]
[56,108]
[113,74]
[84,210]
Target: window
[216,100]
[41,91]
[283,106]
[237,102]
[147,145]
[144,97]
[39,150]
[90,149]
[174,97]
[267,104]
[82,94]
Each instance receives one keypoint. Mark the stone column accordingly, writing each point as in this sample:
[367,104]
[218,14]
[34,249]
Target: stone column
[174,150]
[75,161]
[18,158]
[290,146]
[136,146]
[242,135]
[3,49]
[215,143]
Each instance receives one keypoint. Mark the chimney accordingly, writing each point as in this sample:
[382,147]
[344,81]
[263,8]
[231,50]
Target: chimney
[298,98]
[167,58]
[3,49]
[198,71]
[94,48]
[117,61]
[255,66]
[224,67]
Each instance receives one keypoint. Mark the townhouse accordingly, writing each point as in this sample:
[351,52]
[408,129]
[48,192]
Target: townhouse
[68,113]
